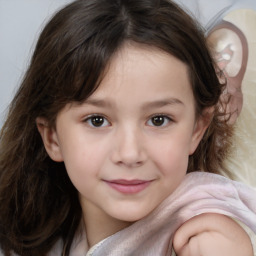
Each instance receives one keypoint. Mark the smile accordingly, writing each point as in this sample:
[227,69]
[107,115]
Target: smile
[129,186]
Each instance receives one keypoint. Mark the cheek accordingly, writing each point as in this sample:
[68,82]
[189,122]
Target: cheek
[80,151]
[172,166]
[171,155]
[82,170]
[83,159]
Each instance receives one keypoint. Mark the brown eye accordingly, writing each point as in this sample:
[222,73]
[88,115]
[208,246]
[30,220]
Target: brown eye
[159,121]
[97,121]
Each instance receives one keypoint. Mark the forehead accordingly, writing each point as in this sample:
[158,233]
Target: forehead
[142,72]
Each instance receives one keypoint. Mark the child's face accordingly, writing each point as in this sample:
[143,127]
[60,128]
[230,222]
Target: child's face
[126,148]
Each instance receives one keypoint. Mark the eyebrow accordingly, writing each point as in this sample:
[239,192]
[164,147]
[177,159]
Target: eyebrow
[145,106]
[98,102]
[162,103]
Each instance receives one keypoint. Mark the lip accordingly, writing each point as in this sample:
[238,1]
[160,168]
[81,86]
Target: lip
[128,186]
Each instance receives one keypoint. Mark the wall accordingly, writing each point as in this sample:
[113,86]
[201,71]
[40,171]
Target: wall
[20,24]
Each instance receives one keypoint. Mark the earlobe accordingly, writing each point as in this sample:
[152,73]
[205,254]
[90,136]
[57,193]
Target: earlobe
[50,139]
[202,123]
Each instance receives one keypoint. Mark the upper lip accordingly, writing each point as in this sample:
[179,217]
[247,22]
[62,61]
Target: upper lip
[128,182]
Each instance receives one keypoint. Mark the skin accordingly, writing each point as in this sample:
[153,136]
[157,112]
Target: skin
[211,235]
[140,124]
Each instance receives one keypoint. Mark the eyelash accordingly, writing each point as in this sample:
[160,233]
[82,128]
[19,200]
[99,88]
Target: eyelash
[105,123]
[165,117]
[89,120]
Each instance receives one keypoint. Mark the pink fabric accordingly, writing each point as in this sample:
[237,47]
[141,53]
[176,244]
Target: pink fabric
[199,193]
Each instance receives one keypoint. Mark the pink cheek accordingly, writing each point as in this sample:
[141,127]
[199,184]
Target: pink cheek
[173,161]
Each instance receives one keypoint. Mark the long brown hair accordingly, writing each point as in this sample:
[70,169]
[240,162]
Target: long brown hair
[38,203]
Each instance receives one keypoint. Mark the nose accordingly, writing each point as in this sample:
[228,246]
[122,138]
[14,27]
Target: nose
[128,148]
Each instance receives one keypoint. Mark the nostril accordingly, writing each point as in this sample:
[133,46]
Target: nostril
[130,157]
[128,146]
[130,164]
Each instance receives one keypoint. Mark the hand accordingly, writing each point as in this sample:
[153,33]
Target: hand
[212,235]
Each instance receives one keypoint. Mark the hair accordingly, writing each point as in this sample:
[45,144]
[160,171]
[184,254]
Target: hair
[38,203]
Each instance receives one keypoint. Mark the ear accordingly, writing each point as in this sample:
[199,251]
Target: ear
[50,139]
[201,124]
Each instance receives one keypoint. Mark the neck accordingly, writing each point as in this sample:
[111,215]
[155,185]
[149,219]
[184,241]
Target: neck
[100,225]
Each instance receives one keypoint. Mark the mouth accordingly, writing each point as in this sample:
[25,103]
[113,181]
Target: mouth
[128,186]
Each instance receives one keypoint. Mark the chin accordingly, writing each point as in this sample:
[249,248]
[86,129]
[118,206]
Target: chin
[131,216]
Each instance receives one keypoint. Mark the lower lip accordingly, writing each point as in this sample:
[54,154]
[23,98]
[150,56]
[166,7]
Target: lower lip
[129,188]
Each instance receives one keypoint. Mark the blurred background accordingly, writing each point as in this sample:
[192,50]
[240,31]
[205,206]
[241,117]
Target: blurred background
[20,24]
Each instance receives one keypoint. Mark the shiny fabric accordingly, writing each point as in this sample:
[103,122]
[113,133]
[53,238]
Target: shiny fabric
[198,193]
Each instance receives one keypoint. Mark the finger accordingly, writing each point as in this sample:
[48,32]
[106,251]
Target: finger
[219,226]
[209,222]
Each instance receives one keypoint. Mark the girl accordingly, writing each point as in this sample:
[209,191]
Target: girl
[120,102]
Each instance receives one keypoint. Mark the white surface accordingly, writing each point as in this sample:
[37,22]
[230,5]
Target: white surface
[20,24]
